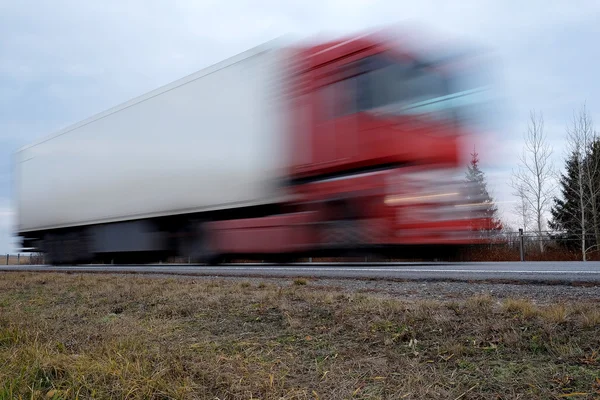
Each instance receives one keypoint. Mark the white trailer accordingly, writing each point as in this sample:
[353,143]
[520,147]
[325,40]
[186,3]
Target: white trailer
[213,140]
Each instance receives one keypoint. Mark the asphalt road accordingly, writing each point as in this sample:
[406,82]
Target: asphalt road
[564,272]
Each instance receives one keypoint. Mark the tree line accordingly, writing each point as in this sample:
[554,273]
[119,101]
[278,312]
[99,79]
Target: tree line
[570,198]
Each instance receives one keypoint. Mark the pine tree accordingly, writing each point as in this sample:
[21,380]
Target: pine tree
[478,192]
[566,211]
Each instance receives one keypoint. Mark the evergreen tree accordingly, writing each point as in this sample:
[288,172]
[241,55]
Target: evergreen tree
[566,215]
[478,192]
[566,209]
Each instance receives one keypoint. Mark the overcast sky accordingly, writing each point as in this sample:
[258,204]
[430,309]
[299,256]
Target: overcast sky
[62,61]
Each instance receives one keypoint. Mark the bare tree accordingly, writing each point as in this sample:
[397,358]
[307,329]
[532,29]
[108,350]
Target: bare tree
[591,170]
[581,137]
[533,178]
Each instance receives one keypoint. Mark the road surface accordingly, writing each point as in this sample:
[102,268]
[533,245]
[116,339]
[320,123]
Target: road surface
[564,272]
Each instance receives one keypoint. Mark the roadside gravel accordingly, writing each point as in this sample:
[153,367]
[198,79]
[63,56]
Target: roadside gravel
[421,290]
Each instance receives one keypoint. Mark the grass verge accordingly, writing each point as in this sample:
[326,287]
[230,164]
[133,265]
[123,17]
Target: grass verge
[95,336]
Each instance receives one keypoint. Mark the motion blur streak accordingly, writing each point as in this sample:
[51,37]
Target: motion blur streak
[393,200]
[286,149]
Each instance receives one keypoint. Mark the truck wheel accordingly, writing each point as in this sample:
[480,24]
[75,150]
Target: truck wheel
[212,260]
[283,259]
[195,246]
[342,234]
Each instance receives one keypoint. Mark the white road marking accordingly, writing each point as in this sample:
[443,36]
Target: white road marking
[483,271]
[300,269]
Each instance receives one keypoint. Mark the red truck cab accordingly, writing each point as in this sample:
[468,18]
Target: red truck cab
[375,145]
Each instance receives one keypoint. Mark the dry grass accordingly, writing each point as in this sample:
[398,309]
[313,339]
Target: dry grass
[96,336]
[523,307]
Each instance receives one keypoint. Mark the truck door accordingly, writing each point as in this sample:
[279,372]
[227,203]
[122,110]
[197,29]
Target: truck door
[336,131]
[346,119]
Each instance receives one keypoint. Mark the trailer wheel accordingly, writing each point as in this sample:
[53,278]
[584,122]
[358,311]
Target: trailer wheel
[56,252]
[70,248]
[51,249]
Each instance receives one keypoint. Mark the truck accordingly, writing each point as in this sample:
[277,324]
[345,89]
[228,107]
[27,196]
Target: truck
[348,145]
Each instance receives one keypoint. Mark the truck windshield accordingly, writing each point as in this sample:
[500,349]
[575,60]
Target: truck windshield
[400,88]
[392,87]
